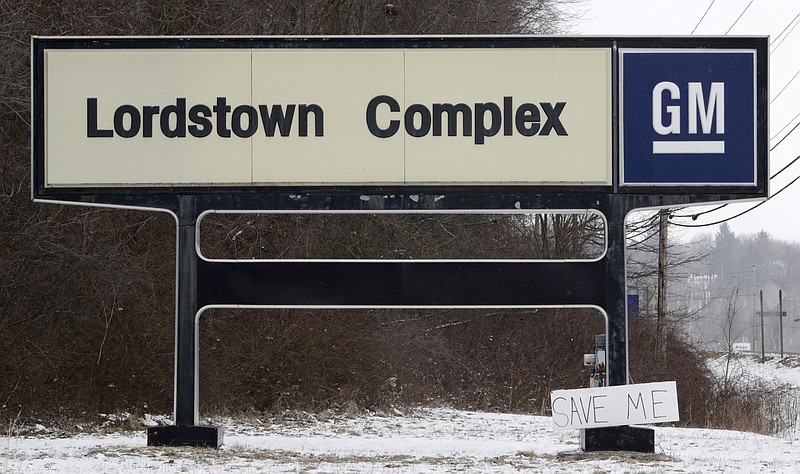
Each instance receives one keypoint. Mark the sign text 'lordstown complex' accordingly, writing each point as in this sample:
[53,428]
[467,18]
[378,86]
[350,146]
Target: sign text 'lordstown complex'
[114,115]
[244,121]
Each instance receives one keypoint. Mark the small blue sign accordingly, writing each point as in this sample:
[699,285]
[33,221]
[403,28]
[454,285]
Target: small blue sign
[688,117]
[633,305]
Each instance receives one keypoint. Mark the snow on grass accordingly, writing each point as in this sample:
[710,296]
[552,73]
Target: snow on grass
[427,440]
[424,440]
[774,369]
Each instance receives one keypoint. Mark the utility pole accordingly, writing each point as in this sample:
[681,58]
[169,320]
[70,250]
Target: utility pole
[661,308]
[780,317]
[761,299]
[755,310]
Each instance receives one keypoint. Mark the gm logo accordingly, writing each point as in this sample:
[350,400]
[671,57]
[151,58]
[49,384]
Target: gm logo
[687,117]
[699,110]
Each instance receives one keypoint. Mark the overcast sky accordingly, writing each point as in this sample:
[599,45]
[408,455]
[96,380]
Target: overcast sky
[778,19]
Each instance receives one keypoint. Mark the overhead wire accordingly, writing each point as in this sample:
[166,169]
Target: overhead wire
[702,17]
[784,87]
[784,127]
[695,216]
[785,167]
[784,31]
[739,17]
[741,213]
[785,136]
[698,214]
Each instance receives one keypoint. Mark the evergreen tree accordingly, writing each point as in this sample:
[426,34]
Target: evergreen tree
[725,258]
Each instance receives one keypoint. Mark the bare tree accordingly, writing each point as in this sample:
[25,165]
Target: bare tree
[658,266]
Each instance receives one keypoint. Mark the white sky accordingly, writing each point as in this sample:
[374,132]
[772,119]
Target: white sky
[779,216]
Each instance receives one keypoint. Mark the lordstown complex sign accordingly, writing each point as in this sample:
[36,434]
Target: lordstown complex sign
[404,124]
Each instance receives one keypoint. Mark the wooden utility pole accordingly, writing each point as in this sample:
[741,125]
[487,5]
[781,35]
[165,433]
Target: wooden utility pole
[755,310]
[661,307]
[780,317]
[761,302]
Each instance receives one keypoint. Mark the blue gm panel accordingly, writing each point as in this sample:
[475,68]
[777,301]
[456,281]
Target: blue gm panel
[688,117]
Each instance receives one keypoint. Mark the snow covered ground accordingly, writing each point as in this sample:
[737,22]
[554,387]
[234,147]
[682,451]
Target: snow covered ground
[424,440]
[748,365]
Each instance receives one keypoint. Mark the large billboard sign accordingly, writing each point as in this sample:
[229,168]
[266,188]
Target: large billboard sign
[429,124]
[207,115]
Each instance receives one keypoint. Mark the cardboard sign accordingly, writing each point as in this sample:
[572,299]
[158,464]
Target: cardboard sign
[614,406]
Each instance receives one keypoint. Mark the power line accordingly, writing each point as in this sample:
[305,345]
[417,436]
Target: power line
[784,168]
[784,137]
[695,216]
[698,214]
[722,220]
[784,127]
[784,87]
[702,17]
[740,17]
[784,31]
[741,213]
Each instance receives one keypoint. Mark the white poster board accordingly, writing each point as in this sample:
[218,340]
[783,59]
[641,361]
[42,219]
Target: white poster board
[614,406]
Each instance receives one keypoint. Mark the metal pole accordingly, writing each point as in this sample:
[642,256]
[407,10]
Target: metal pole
[761,297]
[780,317]
[617,340]
[186,431]
[186,402]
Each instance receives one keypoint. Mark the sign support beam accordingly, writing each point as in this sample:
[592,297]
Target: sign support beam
[186,431]
[617,438]
[202,283]
[186,350]
[616,296]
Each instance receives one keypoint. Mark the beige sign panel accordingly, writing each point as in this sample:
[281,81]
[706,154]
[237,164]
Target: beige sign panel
[523,84]
[139,79]
[327,117]
[341,83]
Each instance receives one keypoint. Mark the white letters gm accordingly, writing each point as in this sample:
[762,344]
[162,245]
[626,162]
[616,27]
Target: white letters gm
[667,119]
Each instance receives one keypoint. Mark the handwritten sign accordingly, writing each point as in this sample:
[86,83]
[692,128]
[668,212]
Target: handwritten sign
[614,406]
